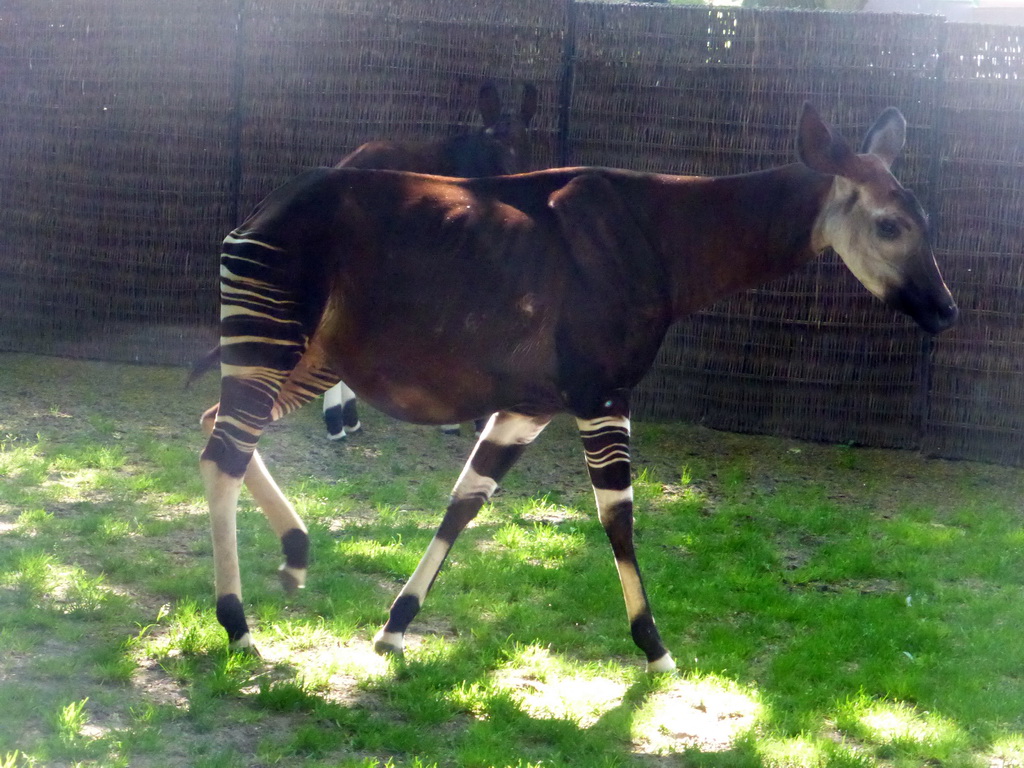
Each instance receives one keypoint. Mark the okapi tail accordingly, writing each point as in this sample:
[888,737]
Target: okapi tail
[203,365]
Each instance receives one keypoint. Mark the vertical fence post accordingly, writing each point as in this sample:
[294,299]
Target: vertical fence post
[938,92]
[565,84]
[237,118]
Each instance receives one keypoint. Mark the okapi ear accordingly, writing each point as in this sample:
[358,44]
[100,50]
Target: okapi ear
[490,104]
[529,105]
[818,147]
[886,137]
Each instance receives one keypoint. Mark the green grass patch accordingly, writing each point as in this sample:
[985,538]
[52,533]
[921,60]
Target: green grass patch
[828,606]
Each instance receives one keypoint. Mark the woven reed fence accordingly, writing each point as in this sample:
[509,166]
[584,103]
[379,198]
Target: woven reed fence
[136,134]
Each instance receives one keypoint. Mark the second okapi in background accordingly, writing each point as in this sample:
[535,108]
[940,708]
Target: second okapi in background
[501,146]
[442,300]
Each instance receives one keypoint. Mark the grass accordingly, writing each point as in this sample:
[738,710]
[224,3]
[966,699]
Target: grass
[828,605]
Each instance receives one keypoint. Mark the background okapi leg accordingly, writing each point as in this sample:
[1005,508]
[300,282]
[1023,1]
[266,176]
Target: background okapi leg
[341,415]
[503,441]
[606,446]
[454,429]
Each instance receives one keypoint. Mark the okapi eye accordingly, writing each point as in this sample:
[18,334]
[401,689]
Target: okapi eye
[888,229]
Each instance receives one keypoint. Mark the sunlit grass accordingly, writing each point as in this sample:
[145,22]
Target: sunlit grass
[69,721]
[903,733]
[548,686]
[538,544]
[185,630]
[394,556]
[705,713]
[1007,751]
[43,582]
[22,465]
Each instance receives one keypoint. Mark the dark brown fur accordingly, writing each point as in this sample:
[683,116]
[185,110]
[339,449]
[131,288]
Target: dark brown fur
[570,278]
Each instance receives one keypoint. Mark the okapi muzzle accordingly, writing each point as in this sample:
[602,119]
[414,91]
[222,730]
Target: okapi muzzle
[931,306]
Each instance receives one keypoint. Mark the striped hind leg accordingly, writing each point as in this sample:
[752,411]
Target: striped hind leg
[269,366]
[283,519]
[228,461]
[237,425]
[503,440]
[341,415]
[606,446]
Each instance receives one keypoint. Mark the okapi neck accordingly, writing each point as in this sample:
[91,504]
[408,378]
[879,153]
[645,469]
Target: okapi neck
[737,232]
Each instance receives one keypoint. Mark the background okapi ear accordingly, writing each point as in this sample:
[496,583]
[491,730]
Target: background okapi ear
[529,106]
[818,147]
[886,137]
[490,104]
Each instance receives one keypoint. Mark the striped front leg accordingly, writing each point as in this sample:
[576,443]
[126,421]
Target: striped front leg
[606,445]
[502,442]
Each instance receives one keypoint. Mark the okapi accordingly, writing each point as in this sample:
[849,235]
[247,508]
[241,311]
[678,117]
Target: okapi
[442,300]
[500,147]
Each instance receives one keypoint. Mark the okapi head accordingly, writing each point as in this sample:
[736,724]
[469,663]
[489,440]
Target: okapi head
[498,148]
[876,225]
[510,131]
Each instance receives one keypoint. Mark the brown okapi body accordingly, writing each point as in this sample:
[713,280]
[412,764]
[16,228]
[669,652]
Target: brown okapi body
[502,146]
[442,300]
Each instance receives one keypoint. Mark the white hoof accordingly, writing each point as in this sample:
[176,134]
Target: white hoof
[664,664]
[244,644]
[389,643]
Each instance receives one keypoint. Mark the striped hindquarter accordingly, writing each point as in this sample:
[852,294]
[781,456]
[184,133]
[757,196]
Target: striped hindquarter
[265,373]
[606,447]
[502,442]
[262,342]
